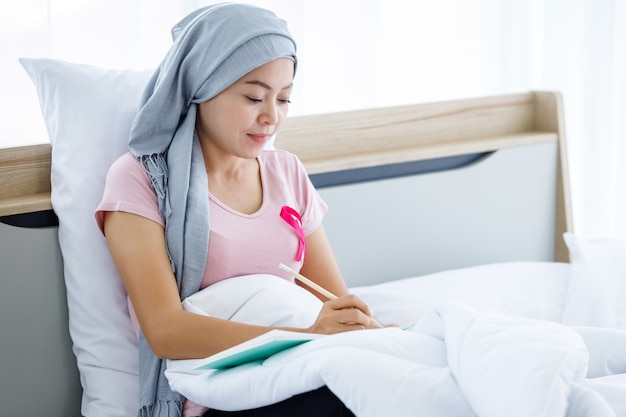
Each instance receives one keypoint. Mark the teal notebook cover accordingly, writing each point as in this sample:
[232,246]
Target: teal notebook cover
[255,349]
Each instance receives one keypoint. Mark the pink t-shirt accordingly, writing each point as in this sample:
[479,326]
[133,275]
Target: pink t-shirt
[239,244]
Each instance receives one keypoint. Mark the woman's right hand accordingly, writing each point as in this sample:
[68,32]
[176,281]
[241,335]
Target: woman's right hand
[342,314]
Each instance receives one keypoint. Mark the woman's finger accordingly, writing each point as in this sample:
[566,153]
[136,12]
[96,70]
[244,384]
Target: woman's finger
[350,301]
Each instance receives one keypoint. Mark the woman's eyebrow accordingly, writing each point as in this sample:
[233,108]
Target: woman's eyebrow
[265,85]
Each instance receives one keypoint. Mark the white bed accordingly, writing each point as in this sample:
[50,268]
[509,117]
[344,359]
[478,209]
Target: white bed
[439,214]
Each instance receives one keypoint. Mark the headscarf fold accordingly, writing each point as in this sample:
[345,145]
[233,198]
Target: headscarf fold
[213,47]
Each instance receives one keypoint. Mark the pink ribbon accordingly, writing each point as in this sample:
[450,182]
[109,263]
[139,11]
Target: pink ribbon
[294,220]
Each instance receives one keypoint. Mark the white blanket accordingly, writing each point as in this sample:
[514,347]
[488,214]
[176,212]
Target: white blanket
[455,362]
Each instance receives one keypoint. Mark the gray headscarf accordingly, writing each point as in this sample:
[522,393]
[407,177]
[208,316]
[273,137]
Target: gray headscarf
[213,47]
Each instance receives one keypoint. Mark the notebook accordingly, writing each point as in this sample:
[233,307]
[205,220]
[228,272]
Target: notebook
[260,347]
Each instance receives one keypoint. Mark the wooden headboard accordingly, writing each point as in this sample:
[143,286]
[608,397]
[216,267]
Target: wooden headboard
[347,144]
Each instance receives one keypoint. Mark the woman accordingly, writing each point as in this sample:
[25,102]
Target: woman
[198,200]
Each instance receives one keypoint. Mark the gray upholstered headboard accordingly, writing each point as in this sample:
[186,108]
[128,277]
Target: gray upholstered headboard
[411,189]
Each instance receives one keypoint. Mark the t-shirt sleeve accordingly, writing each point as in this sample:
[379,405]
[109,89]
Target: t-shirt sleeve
[312,206]
[128,189]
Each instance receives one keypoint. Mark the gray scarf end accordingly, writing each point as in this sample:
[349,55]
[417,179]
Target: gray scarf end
[155,166]
[162,408]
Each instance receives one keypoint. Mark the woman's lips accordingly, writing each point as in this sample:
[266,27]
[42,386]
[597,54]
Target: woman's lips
[260,137]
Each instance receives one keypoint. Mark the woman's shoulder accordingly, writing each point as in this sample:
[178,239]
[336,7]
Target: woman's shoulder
[126,165]
[127,172]
[126,161]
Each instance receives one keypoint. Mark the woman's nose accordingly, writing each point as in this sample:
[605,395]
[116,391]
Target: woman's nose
[269,115]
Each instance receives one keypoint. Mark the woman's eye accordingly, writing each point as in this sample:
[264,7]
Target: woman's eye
[259,100]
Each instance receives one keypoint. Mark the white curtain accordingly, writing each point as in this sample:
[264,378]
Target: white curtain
[370,53]
[584,57]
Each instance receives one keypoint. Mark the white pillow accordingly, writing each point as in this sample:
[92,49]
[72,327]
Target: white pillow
[595,296]
[88,113]
[261,299]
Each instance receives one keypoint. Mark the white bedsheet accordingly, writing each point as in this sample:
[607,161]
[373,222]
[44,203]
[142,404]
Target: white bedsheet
[457,361]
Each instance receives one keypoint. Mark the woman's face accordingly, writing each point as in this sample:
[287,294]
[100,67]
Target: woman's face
[241,119]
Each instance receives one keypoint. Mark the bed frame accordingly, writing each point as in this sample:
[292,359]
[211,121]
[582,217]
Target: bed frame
[412,190]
